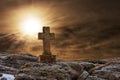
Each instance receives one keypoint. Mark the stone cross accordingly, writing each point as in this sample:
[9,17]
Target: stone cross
[46,36]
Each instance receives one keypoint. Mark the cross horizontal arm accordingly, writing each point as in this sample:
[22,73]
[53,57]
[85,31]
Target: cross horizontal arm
[52,36]
[40,35]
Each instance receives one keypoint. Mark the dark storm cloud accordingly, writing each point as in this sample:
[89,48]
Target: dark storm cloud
[95,38]
[93,32]
[86,27]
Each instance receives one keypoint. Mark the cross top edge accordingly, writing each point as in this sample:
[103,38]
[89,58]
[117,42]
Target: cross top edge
[46,26]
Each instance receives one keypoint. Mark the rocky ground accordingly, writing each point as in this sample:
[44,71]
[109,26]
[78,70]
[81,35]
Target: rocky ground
[26,67]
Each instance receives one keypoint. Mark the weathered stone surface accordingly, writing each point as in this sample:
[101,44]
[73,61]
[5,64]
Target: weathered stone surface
[16,60]
[76,70]
[97,61]
[8,70]
[43,71]
[87,65]
[83,76]
[10,63]
[94,78]
[47,58]
[109,71]
[61,70]
[47,37]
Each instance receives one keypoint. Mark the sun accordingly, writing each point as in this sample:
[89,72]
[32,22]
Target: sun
[31,25]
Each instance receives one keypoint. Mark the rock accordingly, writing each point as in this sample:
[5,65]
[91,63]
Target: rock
[25,57]
[24,77]
[76,66]
[87,65]
[3,78]
[8,70]
[16,60]
[26,67]
[114,76]
[94,78]
[83,76]
[110,71]
[44,71]
[97,61]
[76,70]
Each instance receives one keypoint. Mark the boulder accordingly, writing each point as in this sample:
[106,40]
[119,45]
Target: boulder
[87,65]
[83,76]
[110,71]
[8,70]
[16,60]
[48,71]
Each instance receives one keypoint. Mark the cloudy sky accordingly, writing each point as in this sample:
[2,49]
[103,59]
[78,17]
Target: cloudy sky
[84,28]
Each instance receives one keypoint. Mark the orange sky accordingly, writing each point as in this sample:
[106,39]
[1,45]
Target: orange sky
[82,27]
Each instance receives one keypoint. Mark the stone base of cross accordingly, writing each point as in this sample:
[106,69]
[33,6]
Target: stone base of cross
[47,58]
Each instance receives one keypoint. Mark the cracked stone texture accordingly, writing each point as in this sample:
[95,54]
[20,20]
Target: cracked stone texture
[26,67]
